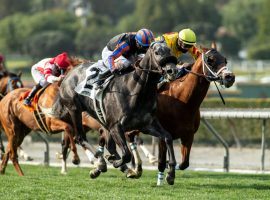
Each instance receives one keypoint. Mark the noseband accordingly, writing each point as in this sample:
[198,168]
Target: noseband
[207,68]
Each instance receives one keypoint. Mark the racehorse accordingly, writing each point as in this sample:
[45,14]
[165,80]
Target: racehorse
[179,103]
[129,102]
[8,82]
[18,120]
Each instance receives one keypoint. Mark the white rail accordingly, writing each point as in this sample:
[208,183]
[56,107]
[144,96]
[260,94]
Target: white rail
[262,114]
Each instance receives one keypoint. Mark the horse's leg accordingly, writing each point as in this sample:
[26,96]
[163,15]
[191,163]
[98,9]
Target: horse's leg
[151,158]
[14,144]
[5,160]
[158,131]
[137,159]
[65,146]
[57,125]
[119,137]
[185,151]
[162,153]
[2,150]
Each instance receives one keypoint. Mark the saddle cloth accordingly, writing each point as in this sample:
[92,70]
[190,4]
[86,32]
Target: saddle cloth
[87,87]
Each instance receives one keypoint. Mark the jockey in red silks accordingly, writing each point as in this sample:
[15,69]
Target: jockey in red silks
[47,71]
[121,49]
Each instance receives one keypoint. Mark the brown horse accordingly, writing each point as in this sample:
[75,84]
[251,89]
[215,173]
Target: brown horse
[179,103]
[18,121]
[8,82]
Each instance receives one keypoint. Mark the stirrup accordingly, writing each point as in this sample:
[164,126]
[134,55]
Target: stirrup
[27,102]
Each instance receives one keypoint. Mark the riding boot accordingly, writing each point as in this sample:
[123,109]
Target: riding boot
[102,76]
[28,99]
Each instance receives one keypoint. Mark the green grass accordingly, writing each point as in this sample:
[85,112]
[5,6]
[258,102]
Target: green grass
[46,183]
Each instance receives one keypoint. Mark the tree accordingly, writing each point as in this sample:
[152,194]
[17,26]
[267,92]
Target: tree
[240,19]
[10,7]
[49,44]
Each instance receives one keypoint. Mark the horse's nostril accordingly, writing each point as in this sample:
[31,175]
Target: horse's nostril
[169,71]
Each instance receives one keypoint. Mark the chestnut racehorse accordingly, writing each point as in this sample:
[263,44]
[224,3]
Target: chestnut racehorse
[19,120]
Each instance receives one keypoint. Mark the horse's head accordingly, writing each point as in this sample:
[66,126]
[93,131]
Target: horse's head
[161,61]
[14,81]
[214,67]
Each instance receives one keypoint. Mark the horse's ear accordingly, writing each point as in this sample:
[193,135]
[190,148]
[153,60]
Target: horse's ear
[19,74]
[214,45]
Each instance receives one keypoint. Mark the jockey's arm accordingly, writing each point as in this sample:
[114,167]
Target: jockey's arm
[49,76]
[118,51]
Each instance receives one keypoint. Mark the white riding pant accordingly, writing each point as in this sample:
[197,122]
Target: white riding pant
[120,63]
[38,76]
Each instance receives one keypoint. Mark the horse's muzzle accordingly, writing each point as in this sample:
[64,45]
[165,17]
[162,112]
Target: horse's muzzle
[227,79]
[170,71]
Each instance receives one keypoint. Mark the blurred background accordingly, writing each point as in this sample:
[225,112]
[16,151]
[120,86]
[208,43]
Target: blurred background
[33,29]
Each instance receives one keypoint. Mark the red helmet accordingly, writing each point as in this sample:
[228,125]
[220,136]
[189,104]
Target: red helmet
[61,60]
[2,58]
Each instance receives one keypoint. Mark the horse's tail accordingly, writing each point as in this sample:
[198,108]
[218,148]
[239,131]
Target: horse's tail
[58,108]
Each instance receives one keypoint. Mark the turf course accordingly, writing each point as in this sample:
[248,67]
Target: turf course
[42,182]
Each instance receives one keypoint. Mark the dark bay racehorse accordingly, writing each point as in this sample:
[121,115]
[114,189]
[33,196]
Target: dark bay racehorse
[179,103]
[19,120]
[8,82]
[129,102]
[185,95]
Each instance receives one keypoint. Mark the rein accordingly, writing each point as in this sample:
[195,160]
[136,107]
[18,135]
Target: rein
[214,75]
[159,71]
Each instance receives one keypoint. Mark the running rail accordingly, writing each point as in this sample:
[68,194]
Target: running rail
[262,114]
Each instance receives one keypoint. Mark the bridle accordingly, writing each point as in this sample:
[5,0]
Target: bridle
[214,76]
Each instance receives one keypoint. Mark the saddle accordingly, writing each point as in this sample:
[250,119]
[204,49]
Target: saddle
[89,87]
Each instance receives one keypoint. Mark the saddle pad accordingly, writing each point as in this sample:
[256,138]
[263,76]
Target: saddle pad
[86,86]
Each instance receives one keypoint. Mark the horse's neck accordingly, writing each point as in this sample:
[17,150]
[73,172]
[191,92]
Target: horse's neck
[194,87]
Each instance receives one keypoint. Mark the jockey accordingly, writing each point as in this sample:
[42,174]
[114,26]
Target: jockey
[180,43]
[122,48]
[47,71]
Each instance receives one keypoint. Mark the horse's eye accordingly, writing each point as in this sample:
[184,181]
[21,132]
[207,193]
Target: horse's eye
[156,53]
[210,60]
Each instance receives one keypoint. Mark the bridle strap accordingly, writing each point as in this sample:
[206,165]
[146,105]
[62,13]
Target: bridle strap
[159,71]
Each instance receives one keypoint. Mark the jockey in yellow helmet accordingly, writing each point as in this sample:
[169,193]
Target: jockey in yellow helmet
[181,42]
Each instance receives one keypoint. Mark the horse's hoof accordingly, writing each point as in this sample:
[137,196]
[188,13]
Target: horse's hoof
[169,179]
[117,163]
[182,166]
[76,161]
[63,172]
[131,173]
[139,171]
[94,173]
[102,165]
[110,158]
